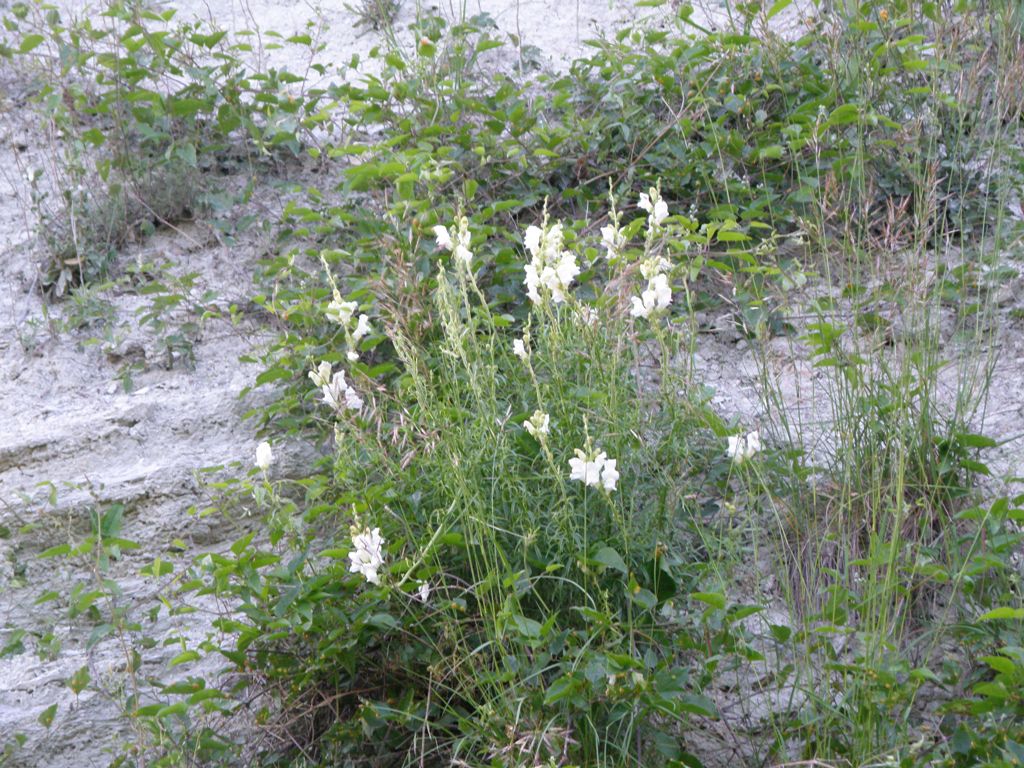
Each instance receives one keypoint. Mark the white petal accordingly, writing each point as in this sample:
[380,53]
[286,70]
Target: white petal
[532,239]
[264,455]
[609,475]
[443,236]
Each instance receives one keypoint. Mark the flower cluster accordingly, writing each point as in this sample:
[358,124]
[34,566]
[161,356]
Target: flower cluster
[367,555]
[459,245]
[337,392]
[551,268]
[539,425]
[656,208]
[342,312]
[594,469]
[519,349]
[613,240]
[742,448]
[658,295]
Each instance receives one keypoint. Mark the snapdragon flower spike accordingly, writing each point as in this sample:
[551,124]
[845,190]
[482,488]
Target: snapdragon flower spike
[656,298]
[551,269]
[538,425]
[321,375]
[595,470]
[657,209]
[459,245]
[362,328]
[654,266]
[339,395]
[462,253]
[741,448]
[340,311]
[367,555]
[612,240]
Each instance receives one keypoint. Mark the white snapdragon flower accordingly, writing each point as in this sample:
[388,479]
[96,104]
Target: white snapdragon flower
[565,272]
[657,297]
[538,425]
[462,252]
[736,448]
[321,375]
[612,240]
[362,328]
[594,470]
[352,400]
[367,555]
[459,245]
[654,266]
[584,469]
[551,268]
[339,395]
[741,448]
[443,237]
[609,475]
[660,211]
[532,239]
[532,283]
[334,391]
[656,207]
[519,349]
[341,311]
[264,456]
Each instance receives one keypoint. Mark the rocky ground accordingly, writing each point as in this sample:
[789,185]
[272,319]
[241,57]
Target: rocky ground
[96,413]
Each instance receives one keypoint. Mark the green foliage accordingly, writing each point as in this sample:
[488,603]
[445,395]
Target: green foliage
[146,109]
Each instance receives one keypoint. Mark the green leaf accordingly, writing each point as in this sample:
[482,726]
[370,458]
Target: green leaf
[1000,664]
[970,439]
[609,558]
[60,549]
[844,115]
[159,567]
[186,107]
[527,627]
[98,634]
[1004,612]
[79,680]
[714,599]
[697,704]
[777,7]
[184,657]
[30,42]
[46,716]
[178,708]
